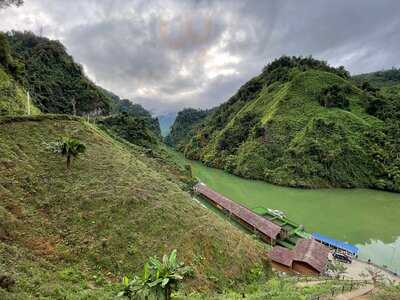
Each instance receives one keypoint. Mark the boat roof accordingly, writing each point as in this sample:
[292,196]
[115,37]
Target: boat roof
[335,243]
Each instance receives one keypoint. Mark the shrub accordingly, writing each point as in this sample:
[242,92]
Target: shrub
[335,96]
[158,280]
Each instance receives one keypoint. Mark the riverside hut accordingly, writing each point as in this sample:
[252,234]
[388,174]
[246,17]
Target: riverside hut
[308,257]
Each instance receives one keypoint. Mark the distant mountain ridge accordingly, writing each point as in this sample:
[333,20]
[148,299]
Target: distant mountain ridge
[166,121]
[302,123]
[379,79]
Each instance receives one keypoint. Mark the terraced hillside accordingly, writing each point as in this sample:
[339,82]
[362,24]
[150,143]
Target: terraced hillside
[301,123]
[72,234]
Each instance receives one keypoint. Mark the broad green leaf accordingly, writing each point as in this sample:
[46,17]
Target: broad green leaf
[172,258]
[146,272]
[125,281]
[164,282]
[155,282]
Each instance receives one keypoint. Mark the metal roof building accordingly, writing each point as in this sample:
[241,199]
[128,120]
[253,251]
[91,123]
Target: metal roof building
[335,243]
[266,228]
[308,257]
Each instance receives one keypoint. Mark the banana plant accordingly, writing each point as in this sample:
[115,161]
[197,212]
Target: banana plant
[159,279]
[69,148]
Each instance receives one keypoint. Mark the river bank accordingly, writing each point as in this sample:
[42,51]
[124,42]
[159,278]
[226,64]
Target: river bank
[366,218]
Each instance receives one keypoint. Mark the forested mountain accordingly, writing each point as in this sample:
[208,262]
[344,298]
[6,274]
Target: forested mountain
[183,124]
[379,79]
[56,83]
[13,97]
[303,123]
[131,121]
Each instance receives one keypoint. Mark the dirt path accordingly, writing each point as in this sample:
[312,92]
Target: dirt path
[357,267]
[356,293]
[308,283]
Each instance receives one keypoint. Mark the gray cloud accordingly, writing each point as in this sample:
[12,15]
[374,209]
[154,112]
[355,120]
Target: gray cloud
[169,54]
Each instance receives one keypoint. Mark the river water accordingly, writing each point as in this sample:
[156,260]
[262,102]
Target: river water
[369,219]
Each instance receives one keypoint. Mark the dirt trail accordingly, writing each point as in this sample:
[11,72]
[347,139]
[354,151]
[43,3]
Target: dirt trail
[308,283]
[356,293]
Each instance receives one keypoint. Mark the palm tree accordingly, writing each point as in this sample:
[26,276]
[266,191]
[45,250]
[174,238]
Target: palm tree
[70,148]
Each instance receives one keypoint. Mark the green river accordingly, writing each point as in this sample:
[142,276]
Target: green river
[369,219]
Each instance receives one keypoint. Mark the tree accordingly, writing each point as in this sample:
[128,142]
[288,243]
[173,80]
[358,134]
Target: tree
[68,147]
[335,96]
[7,3]
[158,280]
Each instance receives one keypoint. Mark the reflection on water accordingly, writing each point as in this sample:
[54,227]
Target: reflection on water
[382,254]
[364,217]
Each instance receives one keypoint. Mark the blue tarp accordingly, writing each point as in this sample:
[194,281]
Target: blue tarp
[335,243]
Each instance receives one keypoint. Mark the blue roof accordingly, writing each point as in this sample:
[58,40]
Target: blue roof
[335,243]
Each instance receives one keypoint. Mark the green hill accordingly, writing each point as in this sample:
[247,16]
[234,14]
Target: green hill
[72,234]
[58,85]
[183,124]
[379,79]
[302,123]
[13,98]
[56,82]
[142,131]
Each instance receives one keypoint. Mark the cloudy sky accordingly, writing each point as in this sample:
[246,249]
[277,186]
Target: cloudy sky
[168,55]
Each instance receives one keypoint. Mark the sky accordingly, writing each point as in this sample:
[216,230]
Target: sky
[168,55]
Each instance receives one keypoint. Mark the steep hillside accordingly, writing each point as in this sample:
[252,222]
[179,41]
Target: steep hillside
[301,123]
[57,84]
[13,98]
[69,234]
[142,131]
[183,124]
[123,108]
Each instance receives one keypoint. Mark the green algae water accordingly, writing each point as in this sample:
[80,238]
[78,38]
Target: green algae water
[367,218]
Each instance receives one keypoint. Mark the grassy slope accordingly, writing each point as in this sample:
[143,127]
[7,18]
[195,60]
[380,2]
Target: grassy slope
[67,234]
[12,97]
[305,144]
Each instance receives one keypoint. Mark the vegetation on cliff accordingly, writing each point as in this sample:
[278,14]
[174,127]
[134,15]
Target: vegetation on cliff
[57,84]
[183,124]
[302,123]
